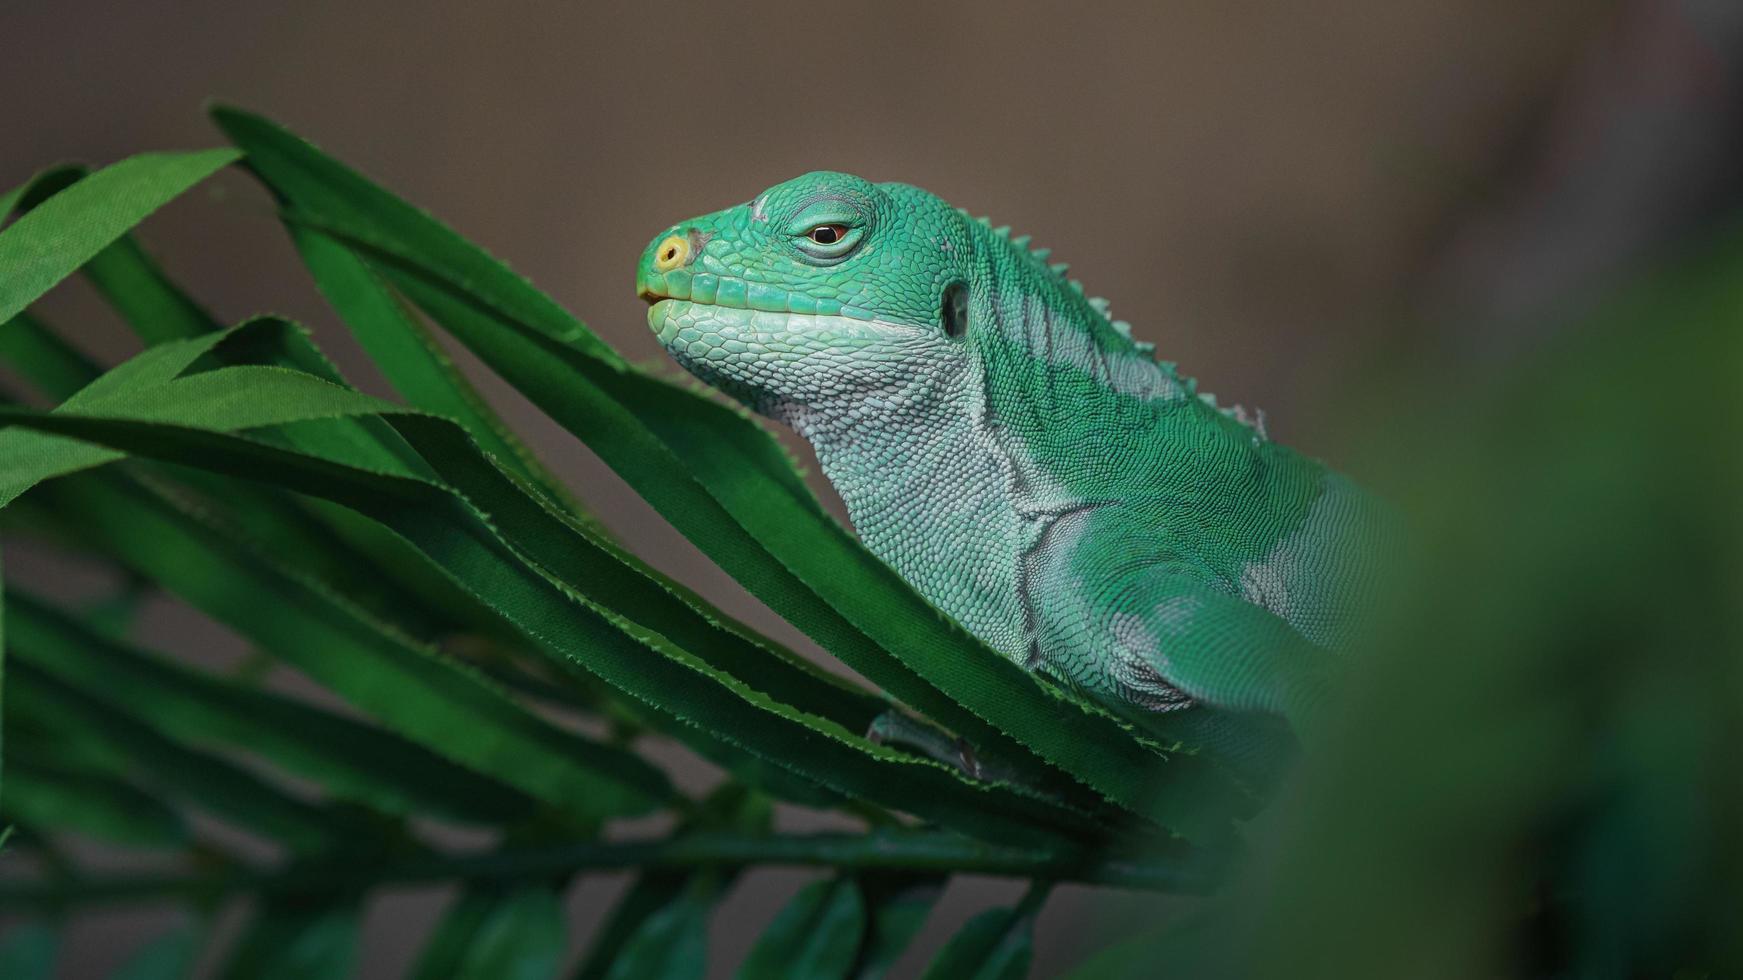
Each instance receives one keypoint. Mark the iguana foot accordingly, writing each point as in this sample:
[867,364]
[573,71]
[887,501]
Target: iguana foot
[905,731]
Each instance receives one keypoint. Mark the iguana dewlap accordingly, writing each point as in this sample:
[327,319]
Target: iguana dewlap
[1010,450]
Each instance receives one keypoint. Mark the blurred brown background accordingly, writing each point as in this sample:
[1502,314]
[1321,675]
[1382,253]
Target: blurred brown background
[1273,192]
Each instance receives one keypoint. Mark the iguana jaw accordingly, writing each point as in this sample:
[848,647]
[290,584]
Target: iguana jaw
[781,332]
[775,361]
[733,293]
[705,320]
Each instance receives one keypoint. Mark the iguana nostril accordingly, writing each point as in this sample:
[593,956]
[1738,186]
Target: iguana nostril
[671,253]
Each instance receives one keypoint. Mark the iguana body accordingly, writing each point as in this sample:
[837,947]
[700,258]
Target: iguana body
[1010,450]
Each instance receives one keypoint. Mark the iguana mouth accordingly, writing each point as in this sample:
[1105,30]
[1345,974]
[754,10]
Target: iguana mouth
[707,289]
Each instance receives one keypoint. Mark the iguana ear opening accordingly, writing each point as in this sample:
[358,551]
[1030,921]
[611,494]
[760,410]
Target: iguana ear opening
[953,313]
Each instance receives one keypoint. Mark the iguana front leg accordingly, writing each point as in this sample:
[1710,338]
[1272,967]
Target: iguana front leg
[1123,618]
[894,727]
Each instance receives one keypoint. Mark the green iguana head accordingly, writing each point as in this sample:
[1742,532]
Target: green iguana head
[824,287]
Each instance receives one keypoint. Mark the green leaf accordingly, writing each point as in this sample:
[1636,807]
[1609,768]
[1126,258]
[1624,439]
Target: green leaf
[211,783]
[572,550]
[126,276]
[648,894]
[32,732]
[896,907]
[151,387]
[814,937]
[63,233]
[521,939]
[995,945]
[672,943]
[591,564]
[156,309]
[412,689]
[490,932]
[346,554]
[56,368]
[411,359]
[340,552]
[168,957]
[3,647]
[454,933]
[418,693]
[728,807]
[574,631]
[726,485]
[55,799]
[43,185]
[28,951]
[333,545]
[352,760]
[618,581]
[297,939]
[9,200]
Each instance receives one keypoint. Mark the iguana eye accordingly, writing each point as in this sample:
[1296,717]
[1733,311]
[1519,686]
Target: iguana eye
[827,239]
[827,234]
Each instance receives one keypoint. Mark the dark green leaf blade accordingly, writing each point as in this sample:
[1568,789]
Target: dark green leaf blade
[896,907]
[413,362]
[2,686]
[156,309]
[412,689]
[297,939]
[649,893]
[572,551]
[206,781]
[456,537]
[454,932]
[352,760]
[66,231]
[56,799]
[730,807]
[672,943]
[42,185]
[419,693]
[168,957]
[491,932]
[152,386]
[814,937]
[522,939]
[575,632]
[125,275]
[995,945]
[54,366]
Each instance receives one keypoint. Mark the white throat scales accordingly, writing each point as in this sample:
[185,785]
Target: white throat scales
[940,492]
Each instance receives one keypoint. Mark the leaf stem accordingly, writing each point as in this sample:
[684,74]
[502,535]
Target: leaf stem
[884,850]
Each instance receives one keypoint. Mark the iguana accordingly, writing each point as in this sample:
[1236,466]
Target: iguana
[1012,451]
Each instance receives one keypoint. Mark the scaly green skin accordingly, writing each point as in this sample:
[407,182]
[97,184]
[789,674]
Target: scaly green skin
[1022,462]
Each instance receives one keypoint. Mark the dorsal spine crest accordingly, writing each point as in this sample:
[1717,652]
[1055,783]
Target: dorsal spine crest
[1252,419]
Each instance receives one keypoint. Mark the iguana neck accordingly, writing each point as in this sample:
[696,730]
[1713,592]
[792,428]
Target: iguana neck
[932,489]
[938,473]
